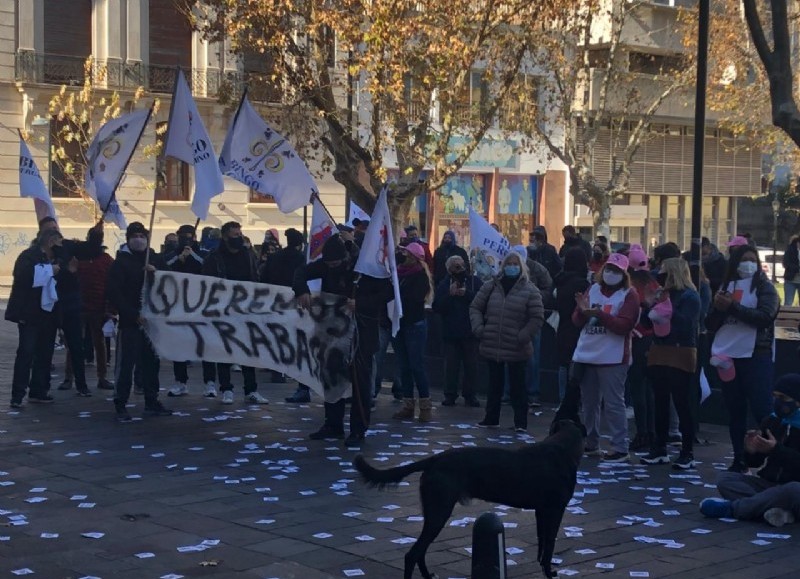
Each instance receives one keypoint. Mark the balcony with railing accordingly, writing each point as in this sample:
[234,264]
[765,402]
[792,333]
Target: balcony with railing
[73,70]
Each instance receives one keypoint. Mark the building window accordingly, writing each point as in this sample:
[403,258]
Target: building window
[67,159]
[170,45]
[67,41]
[518,111]
[259,72]
[256,197]
[172,175]
[470,102]
[644,63]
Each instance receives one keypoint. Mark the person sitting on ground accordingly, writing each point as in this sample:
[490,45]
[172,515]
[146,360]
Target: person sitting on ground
[774,450]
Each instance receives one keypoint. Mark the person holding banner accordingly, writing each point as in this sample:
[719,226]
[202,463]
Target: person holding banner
[371,295]
[411,339]
[232,260]
[124,290]
[35,316]
[505,316]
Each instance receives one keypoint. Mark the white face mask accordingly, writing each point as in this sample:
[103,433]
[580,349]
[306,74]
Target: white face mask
[612,278]
[747,269]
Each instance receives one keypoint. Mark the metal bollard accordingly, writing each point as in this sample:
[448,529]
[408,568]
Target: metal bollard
[488,548]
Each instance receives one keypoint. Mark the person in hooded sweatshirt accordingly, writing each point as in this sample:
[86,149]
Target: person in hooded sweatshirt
[773,450]
[124,291]
[447,249]
[542,252]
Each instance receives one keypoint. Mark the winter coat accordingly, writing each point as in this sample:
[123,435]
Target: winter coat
[543,282]
[125,282]
[92,277]
[239,266]
[506,324]
[576,242]
[567,284]
[440,257]
[25,301]
[685,321]
[548,257]
[414,289]
[455,309]
[192,264]
[782,465]
[762,317]
[280,268]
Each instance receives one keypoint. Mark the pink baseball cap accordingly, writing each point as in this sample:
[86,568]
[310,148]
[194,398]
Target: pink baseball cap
[637,259]
[618,260]
[738,241]
[724,366]
[416,250]
[661,316]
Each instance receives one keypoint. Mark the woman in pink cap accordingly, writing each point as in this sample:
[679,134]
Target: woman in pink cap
[410,341]
[607,314]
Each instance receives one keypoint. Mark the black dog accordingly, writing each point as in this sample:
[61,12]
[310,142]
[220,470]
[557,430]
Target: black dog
[538,476]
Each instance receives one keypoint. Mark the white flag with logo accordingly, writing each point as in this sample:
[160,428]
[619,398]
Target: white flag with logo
[487,246]
[107,158]
[259,157]
[357,213]
[31,184]
[188,141]
[376,258]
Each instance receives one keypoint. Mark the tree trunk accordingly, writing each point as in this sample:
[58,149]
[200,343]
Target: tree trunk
[602,216]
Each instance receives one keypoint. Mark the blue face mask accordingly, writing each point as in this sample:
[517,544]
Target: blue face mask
[512,270]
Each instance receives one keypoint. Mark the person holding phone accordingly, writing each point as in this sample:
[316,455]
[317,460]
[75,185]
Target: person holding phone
[607,314]
[742,318]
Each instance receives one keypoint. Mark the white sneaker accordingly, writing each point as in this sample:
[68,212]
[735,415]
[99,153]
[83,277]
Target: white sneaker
[256,398]
[227,397]
[778,517]
[211,390]
[178,390]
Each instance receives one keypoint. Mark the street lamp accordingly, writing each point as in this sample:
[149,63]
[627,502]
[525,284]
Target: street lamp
[776,207]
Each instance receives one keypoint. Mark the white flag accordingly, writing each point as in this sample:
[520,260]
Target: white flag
[31,184]
[259,157]
[357,213]
[108,157]
[188,141]
[487,246]
[322,228]
[376,258]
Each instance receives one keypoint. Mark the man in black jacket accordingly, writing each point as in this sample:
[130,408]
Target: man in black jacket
[573,239]
[448,248]
[544,253]
[36,324]
[232,260]
[124,291]
[279,269]
[371,295]
[69,297]
[184,257]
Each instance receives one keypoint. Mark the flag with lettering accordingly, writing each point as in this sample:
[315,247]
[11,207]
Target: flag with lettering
[31,184]
[376,258]
[188,141]
[107,159]
[487,246]
[258,156]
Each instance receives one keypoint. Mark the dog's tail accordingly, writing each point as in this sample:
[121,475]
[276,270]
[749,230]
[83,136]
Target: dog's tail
[376,477]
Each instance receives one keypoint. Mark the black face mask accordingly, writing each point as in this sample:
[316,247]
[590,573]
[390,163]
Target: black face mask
[460,275]
[784,408]
[185,241]
[235,243]
[170,246]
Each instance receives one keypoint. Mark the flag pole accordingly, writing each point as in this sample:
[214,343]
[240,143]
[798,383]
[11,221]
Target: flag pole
[315,196]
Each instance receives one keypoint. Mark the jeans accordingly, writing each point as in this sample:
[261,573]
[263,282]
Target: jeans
[409,345]
[248,374]
[72,325]
[752,386]
[93,327]
[460,354]
[678,385]
[752,496]
[519,400]
[533,375]
[605,384]
[135,351]
[34,355]
[640,391]
[790,288]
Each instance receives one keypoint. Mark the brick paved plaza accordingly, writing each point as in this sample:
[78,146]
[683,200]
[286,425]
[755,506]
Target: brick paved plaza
[237,491]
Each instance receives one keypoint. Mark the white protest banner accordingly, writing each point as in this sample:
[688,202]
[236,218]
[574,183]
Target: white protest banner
[188,141]
[259,157]
[251,324]
[376,258]
[487,246]
[107,159]
[31,184]
[357,213]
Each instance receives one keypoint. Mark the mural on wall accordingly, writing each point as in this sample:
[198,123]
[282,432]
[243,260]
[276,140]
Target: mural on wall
[454,200]
[516,206]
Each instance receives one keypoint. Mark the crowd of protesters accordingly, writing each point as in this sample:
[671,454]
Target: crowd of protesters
[630,331]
